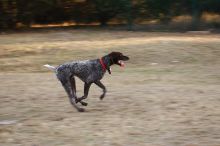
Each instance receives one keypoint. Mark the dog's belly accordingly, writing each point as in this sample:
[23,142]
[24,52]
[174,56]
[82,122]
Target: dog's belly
[89,77]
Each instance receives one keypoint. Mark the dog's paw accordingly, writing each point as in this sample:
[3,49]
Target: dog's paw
[81,110]
[102,96]
[84,103]
[78,100]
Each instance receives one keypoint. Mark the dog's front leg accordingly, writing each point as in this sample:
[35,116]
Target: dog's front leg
[98,83]
[73,84]
[86,92]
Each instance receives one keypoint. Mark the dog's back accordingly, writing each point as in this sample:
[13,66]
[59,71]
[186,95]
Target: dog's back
[87,70]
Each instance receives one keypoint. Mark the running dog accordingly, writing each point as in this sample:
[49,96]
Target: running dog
[89,71]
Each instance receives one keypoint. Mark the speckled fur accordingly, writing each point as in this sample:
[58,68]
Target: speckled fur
[89,71]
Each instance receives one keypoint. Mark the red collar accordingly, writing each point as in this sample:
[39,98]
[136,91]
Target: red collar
[103,64]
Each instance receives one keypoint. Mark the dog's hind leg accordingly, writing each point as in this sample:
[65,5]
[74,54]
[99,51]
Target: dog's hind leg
[73,85]
[99,83]
[86,92]
[72,96]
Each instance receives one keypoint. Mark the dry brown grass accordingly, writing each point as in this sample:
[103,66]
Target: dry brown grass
[168,94]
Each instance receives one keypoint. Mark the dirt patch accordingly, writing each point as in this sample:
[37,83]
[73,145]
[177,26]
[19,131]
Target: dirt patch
[168,94]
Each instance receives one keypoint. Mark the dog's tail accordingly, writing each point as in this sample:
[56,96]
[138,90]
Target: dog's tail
[52,68]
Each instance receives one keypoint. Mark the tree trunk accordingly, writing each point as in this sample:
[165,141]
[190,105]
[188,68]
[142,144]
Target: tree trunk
[196,14]
[103,21]
[129,16]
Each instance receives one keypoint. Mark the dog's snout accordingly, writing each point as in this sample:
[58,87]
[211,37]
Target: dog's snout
[125,58]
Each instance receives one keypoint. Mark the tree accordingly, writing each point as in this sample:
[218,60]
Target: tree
[8,14]
[108,9]
[163,10]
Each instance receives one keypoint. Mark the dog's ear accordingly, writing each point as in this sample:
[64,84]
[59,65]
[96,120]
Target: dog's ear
[115,54]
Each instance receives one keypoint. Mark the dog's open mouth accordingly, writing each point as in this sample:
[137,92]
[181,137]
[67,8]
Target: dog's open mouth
[121,63]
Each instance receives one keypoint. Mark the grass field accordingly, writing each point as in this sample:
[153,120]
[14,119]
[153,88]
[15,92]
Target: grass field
[167,95]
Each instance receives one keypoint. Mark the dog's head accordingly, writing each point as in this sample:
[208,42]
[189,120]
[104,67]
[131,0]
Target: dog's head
[118,58]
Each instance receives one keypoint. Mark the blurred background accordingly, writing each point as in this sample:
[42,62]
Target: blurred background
[167,94]
[165,14]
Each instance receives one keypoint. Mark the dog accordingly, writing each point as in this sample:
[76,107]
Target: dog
[89,71]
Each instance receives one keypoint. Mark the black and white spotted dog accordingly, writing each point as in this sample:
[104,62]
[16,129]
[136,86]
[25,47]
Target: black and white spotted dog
[89,71]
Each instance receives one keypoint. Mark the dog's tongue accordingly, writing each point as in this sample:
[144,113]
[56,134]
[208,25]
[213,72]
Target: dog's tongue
[122,64]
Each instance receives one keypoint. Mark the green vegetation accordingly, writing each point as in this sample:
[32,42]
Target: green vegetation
[26,12]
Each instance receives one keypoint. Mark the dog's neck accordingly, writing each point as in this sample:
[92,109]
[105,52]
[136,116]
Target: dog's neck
[107,60]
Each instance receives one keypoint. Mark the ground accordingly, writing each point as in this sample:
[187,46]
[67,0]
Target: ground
[167,95]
